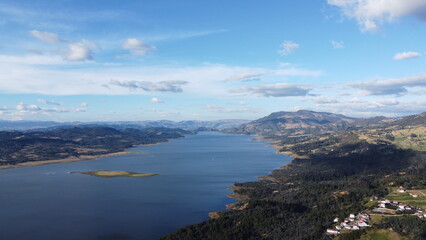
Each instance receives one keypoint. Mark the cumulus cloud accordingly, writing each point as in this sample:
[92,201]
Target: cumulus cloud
[49,102]
[395,86]
[406,55]
[137,47]
[83,104]
[46,36]
[162,86]
[370,13]
[156,100]
[337,44]
[80,51]
[245,77]
[275,90]
[287,48]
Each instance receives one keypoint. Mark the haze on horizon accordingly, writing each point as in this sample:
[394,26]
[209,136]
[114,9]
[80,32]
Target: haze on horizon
[207,60]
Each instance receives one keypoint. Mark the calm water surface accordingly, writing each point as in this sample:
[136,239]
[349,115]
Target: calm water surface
[45,202]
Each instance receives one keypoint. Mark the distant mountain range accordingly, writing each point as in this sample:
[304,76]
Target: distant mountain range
[303,121]
[186,125]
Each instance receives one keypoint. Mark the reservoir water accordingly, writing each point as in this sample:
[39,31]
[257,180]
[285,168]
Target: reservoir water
[45,202]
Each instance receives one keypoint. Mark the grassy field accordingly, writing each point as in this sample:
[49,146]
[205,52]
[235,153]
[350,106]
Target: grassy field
[382,234]
[407,199]
[412,137]
[108,174]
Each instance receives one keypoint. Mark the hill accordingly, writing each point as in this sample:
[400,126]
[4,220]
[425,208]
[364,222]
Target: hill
[21,147]
[300,122]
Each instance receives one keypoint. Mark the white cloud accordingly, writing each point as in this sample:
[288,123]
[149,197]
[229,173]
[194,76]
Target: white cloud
[274,90]
[406,55]
[288,47]
[162,86]
[394,86]
[371,13]
[81,51]
[337,44]
[156,100]
[245,77]
[137,47]
[49,102]
[200,81]
[362,107]
[25,108]
[45,36]
[83,104]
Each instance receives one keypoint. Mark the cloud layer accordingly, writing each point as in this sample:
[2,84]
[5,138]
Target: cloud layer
[396,86]
[163,86]
[274,90]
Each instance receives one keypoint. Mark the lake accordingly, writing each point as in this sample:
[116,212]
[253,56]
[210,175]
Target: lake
[46,202]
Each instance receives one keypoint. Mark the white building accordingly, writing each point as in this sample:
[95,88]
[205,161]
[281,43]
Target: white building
[332,231]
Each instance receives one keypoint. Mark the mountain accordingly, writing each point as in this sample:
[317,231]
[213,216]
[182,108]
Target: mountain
[418,119]
[307,122]
[27,125]
[186,125]
[303,120]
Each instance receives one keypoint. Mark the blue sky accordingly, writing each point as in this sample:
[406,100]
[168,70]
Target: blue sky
[207,60]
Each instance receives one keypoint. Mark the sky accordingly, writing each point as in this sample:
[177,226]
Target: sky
[73,60]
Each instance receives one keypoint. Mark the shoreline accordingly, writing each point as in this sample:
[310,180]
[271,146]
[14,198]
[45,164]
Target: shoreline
[240,198]
[70,159]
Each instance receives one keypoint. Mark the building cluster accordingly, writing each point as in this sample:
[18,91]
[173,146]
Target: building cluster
[384,206]
[353,222]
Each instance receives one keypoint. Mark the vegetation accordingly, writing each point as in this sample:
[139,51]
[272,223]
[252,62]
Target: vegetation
[109,174]
[19,147]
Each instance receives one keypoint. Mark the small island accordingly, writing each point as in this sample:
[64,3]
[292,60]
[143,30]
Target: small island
[108,174]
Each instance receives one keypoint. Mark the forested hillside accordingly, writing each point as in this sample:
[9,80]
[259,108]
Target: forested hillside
[19,147]
[334,173]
